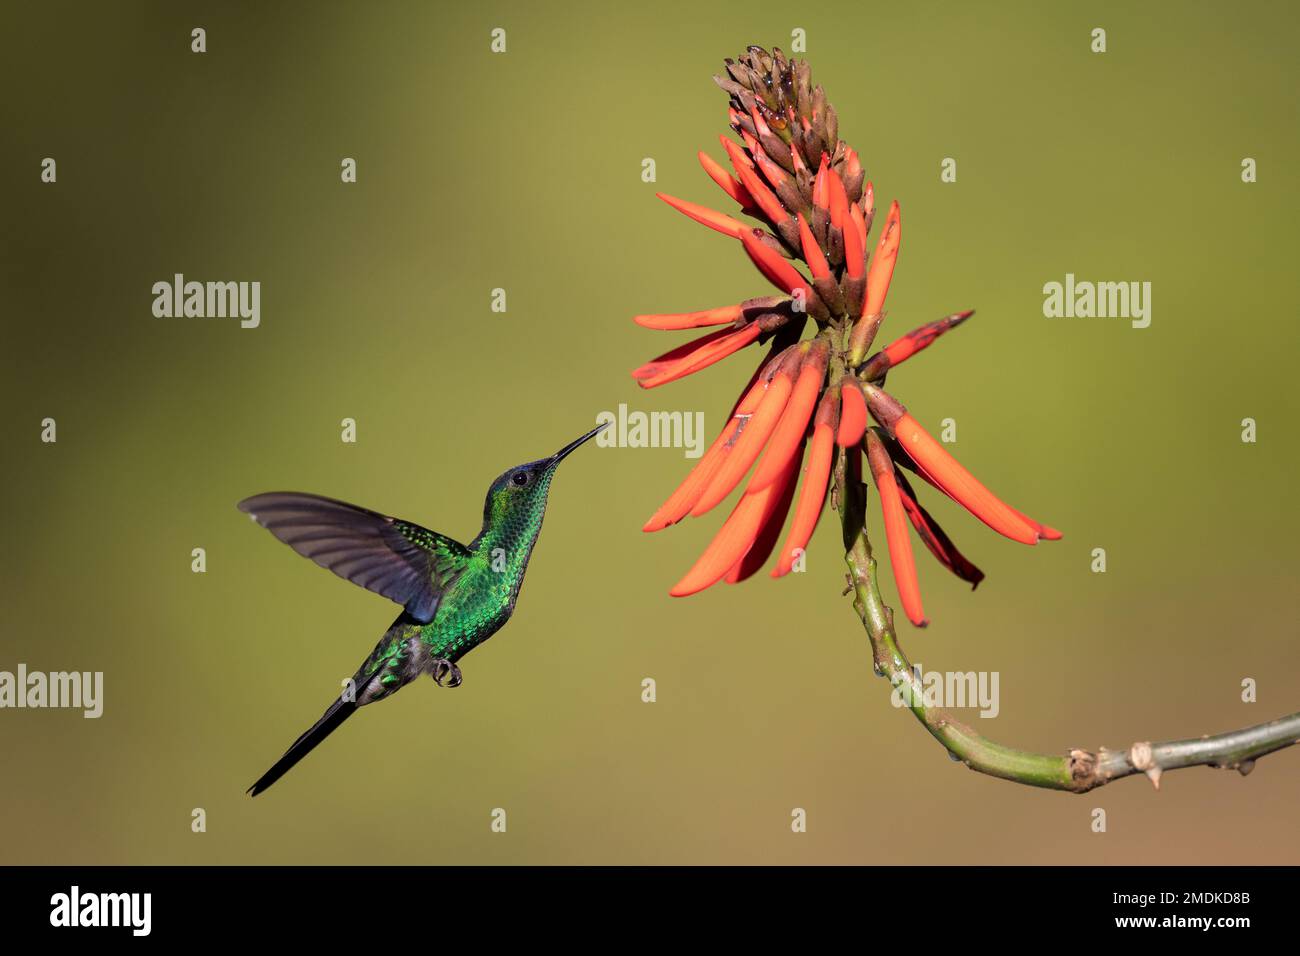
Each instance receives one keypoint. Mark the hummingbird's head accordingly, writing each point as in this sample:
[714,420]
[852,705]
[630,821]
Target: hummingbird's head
[522,490]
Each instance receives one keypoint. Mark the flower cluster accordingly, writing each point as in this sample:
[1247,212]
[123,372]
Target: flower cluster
[809,395]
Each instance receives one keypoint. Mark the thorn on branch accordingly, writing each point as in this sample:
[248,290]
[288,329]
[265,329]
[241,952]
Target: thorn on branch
[1141,757]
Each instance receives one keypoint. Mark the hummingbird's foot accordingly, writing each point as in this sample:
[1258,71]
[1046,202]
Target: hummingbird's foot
[445,673]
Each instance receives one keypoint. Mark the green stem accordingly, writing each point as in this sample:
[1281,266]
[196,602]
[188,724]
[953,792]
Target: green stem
[1079,770]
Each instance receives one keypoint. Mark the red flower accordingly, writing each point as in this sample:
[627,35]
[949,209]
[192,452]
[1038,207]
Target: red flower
[808,190]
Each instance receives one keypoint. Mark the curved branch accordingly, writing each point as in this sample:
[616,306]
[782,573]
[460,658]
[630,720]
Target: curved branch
[1078,771]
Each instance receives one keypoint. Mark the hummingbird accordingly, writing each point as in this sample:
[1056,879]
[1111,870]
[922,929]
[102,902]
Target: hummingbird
[453,596]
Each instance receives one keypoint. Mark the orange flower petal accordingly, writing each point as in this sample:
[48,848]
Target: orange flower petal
[852,164]
[730,544]
[933,536]
[773,173]
[681,501]
[763,197]
[854,256]
[729,184]
[882,263]
[945,472]
[902,349]
[855,244]
[812,496]
[900,544]
[828,411]
[725,315]
[819,184]
[673,356]
[711,348]
[774,515]
[789,432]
[735,153]
[753,436]
[705,216]
[853,414]
[796,159]
[812,253]
[898,351]
[838,198]
[775,269]
[756,387]
[1046,532]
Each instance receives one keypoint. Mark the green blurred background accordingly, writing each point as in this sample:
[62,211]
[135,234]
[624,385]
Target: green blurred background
[522,171]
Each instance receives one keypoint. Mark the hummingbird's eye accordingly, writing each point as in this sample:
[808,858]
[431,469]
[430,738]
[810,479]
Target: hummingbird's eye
[520,478]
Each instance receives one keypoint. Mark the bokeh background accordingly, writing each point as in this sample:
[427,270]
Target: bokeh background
[522,171]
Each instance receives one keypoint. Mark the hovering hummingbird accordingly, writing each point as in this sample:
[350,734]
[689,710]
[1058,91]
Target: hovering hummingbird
[454,596]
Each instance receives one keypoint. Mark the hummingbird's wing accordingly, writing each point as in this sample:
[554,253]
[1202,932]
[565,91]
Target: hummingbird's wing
[400,560]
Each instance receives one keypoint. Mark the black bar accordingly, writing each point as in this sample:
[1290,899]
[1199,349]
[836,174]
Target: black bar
[364,906]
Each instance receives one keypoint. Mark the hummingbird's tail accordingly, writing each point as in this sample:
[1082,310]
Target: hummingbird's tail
[338,712]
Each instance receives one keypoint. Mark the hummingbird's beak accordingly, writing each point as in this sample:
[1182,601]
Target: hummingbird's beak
[567,450]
